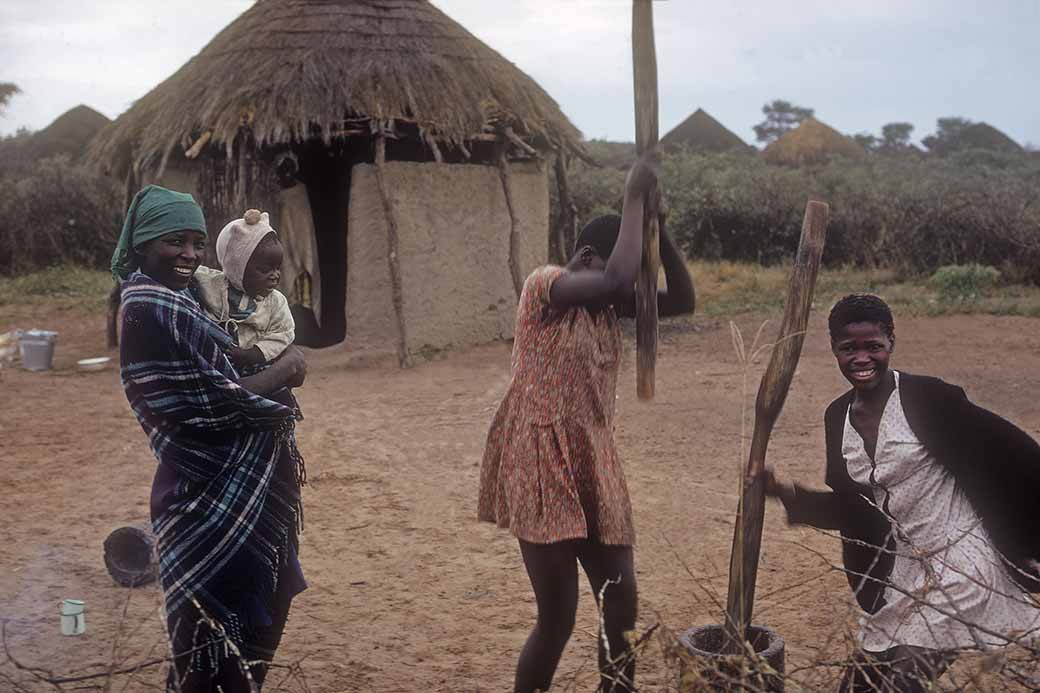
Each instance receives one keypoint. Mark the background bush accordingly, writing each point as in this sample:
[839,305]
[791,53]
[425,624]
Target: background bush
[53,212]
[961,282]
[910,213]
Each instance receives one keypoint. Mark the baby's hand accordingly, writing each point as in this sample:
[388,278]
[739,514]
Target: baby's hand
[244,358]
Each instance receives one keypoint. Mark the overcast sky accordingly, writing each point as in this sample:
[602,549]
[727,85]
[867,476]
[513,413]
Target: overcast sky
[859,63]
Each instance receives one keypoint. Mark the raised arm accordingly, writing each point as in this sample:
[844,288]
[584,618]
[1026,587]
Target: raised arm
[615,282]
[677,298]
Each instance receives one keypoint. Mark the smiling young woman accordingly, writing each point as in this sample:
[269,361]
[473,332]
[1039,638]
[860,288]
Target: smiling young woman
[225,498]
[172,258]
[936,577]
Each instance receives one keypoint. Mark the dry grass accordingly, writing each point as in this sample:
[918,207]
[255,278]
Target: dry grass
[723,289]
[88,288]
[731,288]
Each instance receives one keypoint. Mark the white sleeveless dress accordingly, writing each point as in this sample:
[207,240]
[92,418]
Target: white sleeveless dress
[949,587]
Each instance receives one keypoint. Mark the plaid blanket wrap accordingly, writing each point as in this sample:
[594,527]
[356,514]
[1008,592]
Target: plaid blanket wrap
[226,534]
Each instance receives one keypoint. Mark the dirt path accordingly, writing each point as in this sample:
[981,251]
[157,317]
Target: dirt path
[407,591]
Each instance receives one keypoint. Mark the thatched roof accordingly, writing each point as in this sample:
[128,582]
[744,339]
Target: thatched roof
[294,69]
[69,134]
[700,132]
[978,136]
[812,142]
[986,136]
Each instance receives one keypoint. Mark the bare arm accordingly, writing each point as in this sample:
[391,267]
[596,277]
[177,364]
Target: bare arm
[821,509]
[244,358]
[289,370]
[616,282]
[677,298]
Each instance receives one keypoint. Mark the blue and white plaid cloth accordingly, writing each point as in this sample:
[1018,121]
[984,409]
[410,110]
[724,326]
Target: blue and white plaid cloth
[225,531]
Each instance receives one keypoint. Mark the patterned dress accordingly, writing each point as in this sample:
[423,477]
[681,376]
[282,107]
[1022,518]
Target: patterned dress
[947,573]
[551,471]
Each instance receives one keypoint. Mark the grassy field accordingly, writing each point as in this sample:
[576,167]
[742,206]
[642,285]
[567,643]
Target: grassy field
[64,285]
[723,289]
[729,288]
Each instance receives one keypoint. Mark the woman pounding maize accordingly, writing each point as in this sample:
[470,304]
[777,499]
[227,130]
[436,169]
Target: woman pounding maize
[551,472]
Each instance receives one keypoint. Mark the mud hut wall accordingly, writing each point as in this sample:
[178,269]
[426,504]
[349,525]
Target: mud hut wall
[179,176]
[212,182]
[453,227]
[183,175]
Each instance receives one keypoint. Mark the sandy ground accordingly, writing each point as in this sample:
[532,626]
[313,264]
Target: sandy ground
[408,592]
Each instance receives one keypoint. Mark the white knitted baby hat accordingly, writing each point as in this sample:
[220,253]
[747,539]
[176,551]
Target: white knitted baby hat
[238,240]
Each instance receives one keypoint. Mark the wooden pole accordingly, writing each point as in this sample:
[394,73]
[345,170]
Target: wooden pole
[502,148]
[561,241]
[644,75]
[115,296]
[241,188]
[404,357]
[747,535]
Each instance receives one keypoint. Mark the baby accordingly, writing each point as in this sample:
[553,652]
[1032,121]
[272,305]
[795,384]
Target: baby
[242,298]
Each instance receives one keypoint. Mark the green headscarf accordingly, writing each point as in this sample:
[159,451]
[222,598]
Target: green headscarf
[154,212]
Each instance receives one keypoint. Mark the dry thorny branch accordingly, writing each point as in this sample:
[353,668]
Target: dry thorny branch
[999,662]
[119,673]
[1014,664]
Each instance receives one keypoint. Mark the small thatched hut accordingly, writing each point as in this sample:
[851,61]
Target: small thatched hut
[69,134]
[812,142]
[974,136]
[416,151]
[702,133]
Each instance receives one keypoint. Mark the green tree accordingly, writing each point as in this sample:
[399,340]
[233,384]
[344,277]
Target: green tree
[781,116]
[896,136]
[7,90]
[867,141]
[948,136]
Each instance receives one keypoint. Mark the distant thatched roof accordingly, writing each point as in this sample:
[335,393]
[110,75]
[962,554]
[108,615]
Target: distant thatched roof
[812,142]
[974,136]
[69,134]
[295,69]
[986,136]
[701,132]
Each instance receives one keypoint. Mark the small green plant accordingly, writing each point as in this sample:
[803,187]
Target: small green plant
[964,282]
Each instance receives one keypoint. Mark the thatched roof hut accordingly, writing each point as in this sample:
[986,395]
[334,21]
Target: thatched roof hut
[702,133]
[975,136]
[812,142]
[383,98]
[69,134]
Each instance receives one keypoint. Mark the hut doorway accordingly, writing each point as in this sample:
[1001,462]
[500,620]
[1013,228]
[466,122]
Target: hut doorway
[325,171]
